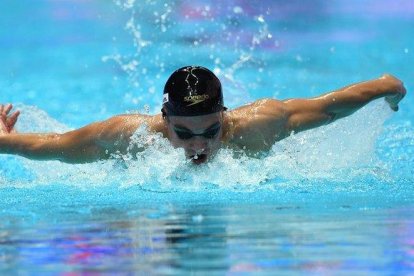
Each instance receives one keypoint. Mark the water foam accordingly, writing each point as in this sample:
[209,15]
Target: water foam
[341,152]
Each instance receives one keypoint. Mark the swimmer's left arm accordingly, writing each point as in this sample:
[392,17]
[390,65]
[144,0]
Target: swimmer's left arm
[303,114]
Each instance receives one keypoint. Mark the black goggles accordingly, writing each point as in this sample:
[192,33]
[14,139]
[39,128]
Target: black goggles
[210,133]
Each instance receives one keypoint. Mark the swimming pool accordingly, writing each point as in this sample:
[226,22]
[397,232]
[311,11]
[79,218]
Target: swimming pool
[338,199]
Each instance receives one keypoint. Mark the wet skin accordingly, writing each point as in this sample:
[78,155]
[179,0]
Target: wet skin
[197,148]
[252,128]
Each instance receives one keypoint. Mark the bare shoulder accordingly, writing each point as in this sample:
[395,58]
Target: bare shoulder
[123,126]
[256,126]
[254,115]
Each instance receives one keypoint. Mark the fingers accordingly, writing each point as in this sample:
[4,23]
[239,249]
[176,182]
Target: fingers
[393,106]
[7,122]
[4,110]
[3,126]
[7,108]
[3,116]
[11,121]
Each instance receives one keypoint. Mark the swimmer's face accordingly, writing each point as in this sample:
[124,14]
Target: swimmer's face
[199,136]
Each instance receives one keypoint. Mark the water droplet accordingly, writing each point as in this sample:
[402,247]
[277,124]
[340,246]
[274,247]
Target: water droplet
[260,19]
[237,10]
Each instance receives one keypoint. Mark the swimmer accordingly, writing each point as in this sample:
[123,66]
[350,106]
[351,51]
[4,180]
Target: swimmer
[194,117]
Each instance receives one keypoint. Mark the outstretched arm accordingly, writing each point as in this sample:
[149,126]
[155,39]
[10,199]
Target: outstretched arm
[90,143]
[303,114]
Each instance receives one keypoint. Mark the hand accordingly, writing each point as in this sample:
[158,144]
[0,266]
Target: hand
[397,90]
[7,121]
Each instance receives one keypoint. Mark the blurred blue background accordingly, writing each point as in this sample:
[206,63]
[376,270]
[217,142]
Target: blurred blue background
[63,56]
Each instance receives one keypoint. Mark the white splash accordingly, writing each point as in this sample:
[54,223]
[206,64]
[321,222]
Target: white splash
[342,151]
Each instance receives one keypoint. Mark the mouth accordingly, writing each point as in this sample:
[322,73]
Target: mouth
[198,158]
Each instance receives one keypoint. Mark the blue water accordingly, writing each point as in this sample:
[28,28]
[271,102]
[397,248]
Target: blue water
[338,199]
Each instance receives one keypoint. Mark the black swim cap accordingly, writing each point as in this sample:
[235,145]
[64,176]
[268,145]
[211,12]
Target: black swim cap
[192,91]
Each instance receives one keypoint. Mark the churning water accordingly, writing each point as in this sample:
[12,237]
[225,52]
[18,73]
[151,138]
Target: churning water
[337,199]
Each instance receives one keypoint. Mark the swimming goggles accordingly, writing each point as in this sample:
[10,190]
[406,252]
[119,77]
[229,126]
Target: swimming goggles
[210,133]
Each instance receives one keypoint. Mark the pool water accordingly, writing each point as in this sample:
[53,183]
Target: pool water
[334,200]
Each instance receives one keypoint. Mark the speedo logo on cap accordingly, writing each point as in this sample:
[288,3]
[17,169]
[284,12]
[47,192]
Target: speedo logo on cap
[195,99]
[165,98]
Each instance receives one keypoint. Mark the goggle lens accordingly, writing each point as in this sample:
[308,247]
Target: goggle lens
[208,134]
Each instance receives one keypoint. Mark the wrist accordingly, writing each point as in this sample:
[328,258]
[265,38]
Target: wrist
[391,85]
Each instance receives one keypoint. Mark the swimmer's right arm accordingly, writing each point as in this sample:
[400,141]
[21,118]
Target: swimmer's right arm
[90,143]
[7,121]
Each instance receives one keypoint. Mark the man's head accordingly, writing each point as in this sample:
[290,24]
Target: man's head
[192,108]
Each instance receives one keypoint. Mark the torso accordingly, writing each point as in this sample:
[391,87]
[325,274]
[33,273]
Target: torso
[252,128]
